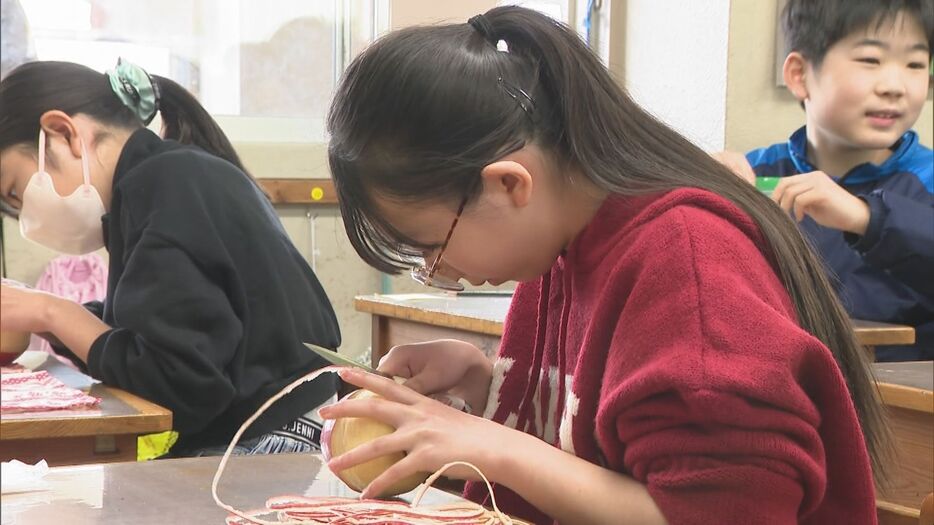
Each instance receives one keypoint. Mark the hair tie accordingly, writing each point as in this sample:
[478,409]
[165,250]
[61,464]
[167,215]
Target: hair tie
[484,27]
[136,89]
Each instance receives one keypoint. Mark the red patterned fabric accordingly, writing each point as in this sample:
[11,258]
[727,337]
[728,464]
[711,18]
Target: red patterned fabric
[40,392]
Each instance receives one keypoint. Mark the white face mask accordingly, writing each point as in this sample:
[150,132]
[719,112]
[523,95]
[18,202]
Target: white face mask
[70,224]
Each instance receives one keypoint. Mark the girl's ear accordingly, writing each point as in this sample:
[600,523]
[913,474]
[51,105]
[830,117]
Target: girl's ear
[510,179]
[794,73]
[58,124]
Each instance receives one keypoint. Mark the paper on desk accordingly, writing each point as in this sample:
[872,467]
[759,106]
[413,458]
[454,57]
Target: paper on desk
[16,476]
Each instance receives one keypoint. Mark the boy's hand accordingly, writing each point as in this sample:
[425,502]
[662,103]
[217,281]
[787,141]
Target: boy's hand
[817,195]
[737,163]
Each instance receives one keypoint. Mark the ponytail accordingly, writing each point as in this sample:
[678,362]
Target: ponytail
[185,120]
[126,98]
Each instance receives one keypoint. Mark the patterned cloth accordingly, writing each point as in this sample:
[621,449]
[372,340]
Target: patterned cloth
[40,392]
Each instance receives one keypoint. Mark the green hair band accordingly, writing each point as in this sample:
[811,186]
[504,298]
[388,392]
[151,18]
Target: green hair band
[136,89]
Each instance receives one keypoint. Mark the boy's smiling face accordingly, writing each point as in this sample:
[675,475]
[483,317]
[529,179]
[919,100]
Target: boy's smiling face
[870,87]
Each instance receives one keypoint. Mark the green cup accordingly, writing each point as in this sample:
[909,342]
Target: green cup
[767,184]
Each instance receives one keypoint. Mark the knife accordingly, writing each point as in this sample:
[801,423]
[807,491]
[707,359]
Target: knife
[336,359]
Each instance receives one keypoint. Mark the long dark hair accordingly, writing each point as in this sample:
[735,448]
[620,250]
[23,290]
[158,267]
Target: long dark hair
[37,87]
[420,112]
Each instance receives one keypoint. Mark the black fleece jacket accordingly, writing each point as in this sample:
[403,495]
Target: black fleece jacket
[208,299]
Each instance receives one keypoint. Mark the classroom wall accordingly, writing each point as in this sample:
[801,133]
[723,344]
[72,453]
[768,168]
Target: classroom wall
[758,112]
[676,64]
[404,13]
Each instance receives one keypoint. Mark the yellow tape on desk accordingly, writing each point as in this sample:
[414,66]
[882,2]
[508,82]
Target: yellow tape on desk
[151,446]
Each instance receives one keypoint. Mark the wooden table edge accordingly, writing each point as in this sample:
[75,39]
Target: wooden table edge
[871,333]
[899,510]
[432,317]
[892,336]
[907,397]
[151,418]
[867,335]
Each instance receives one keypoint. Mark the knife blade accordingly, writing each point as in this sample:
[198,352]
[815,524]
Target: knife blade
[336,359]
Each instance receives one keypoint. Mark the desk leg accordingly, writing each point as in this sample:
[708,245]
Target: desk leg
[927,510]
[379,339]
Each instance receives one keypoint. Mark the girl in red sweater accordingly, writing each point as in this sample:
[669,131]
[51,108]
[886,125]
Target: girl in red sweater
[673,352]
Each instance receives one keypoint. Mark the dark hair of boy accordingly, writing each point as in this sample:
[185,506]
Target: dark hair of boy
[812,27]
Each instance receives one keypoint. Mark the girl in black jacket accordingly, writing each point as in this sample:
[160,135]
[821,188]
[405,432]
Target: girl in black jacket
[208,302]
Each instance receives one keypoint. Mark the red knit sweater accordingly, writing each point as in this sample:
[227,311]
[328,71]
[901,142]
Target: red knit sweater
[663,346]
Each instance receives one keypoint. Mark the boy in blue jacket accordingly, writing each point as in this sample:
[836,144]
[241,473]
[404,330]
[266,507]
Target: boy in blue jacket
[855,176]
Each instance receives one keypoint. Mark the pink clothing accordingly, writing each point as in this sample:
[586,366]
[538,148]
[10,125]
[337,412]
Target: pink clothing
[79,278]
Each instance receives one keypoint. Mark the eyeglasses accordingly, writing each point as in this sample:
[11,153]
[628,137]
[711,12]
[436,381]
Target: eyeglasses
[427,275]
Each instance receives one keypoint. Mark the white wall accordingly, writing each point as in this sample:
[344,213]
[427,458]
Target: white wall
[676,64]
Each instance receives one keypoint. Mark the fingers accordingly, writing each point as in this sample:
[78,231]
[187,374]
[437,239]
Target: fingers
[803,203]
[377,384]
[411,362]
[383,410]
[397,362]
[788,192]
[792,201]
[401,469]
[381,446]
[418,384]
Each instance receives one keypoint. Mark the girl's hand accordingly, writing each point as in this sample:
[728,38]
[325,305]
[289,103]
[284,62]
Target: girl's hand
[430,433]
[442,366]
[25,309]
[817,195]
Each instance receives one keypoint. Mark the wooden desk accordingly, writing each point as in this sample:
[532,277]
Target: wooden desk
[97,436]
[478,319]
[411,318]
[174,490]
[871,333]
[907,390]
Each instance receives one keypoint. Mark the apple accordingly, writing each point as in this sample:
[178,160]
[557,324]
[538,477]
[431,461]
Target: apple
[342,435]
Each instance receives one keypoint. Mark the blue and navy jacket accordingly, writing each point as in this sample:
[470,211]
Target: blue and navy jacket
[887,274]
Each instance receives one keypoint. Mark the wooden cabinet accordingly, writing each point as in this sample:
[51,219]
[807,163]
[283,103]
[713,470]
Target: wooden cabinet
[906,390]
